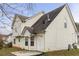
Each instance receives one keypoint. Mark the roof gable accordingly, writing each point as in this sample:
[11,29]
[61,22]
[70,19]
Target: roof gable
[26,28]
[43,22]
[21,17]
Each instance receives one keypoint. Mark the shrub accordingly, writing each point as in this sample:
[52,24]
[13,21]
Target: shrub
[7,45]
[1,44]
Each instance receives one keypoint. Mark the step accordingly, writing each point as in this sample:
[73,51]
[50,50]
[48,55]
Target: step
[27,53]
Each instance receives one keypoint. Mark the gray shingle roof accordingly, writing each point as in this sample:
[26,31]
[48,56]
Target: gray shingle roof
[26,28]
[43,22]
[23,18]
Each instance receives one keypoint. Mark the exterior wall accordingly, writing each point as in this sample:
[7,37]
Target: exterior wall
[27,33]
[57,37]
[39,43]
[20,44]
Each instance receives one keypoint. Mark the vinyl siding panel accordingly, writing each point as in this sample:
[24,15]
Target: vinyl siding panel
[57,37]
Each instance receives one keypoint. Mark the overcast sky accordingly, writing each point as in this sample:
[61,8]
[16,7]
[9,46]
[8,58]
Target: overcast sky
[46,7]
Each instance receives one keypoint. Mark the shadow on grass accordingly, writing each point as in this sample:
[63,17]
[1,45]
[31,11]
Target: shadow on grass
[73,52]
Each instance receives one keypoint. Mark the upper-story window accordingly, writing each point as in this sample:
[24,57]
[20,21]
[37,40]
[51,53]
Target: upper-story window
[65,24]
[43,21]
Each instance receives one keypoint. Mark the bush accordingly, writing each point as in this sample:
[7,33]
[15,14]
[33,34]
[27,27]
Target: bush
[7,45]
[10,44]
[1,44]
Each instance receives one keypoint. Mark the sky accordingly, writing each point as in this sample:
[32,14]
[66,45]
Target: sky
[21,8]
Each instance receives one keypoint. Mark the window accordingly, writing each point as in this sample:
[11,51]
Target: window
[26,42]
[19,39]
[43,21]
[65,25]
[15,29]
[32,41]
[14,41]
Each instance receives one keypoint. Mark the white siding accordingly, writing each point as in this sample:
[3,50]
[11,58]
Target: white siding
[17,27]
[57,37]
[20,44]
[39,42]
[27,33]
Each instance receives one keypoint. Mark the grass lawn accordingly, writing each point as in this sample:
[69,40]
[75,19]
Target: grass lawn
[72,52]
[7,51]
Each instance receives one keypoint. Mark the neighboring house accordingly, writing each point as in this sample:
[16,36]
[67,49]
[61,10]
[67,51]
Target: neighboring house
[54,30]
[3,37]
[9,39]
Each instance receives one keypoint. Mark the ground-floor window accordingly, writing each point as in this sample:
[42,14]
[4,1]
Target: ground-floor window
[32,41]
[14,41]
[19,39]
[26,42]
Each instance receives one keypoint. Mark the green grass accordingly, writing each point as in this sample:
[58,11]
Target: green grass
[73,52]
[7,51]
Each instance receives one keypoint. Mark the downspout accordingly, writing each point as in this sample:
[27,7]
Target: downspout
[29,43]
[44,42]
[36,42]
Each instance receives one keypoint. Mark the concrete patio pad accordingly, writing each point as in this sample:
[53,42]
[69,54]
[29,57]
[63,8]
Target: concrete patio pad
[26,53]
